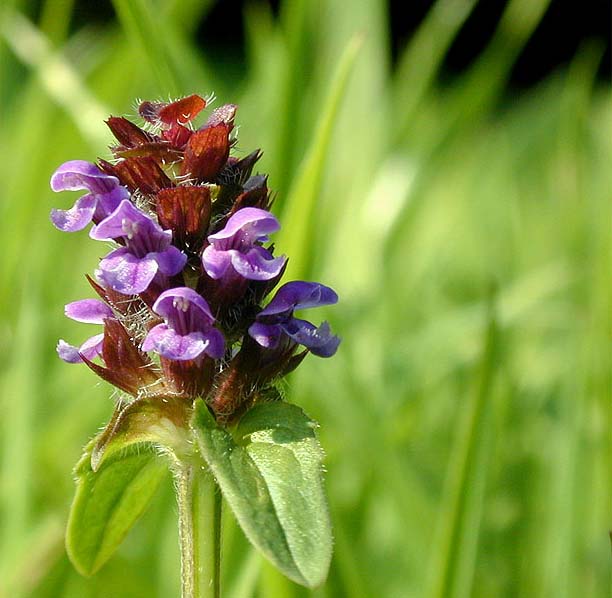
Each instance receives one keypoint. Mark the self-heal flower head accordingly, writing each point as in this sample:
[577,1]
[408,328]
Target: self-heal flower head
[276,321]
[173,195]
[89,311]
[105,194]
[236,249]
[188,331]
[147,250]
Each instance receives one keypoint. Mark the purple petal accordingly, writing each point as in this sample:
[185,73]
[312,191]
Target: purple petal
[319,340]
[68,353]
[79,174]
[215,262]
[90,311]
[167,342]
[251,223]
[125,221]
[183,303]
[171,261]
[299,295]
[267,335]
[216,343]
[126,273]
[257,263]
[90,349]
[77,217]
[109,202]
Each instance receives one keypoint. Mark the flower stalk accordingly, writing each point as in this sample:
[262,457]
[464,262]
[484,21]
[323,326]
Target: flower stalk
[199,513]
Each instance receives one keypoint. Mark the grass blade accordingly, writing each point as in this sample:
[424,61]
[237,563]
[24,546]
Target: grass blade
[299,211]
[455,549]
[138,21]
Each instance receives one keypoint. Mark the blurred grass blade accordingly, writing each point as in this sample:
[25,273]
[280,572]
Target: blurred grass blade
[454,551]
[187,14]
[422,58]
[244,581]
[57,76]
[55,19]
[138,19]
[294,19]
[485,80]
[20,388]
[299,212]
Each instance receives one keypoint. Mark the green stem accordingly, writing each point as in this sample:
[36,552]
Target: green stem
[199,504]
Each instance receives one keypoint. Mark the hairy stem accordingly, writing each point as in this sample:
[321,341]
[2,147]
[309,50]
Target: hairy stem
[199,504]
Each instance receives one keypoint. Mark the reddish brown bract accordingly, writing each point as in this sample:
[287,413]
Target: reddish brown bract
[127,368]
[179,112]
[127,133]
[139,174]
[206,153]
[186,211]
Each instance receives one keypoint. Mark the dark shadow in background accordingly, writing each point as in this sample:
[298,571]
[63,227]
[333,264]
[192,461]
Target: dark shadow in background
[566,26]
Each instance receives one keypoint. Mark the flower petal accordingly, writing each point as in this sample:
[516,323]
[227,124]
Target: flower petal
[267,335]
[319,340]
[109,202]
[68,353]
[89,311]
[216,343]
[90,349]
[75,175]
[299,295]
[215,262]
[168,343]
[257,263]
[77,217]
[184,299]
[251,223]
[124,221]
[127,221]
[126,273]
[171,261]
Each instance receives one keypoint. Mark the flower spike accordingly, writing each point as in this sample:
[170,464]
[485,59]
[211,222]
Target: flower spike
[183,291]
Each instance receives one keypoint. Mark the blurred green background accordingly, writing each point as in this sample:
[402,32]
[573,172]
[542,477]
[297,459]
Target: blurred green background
[466,417]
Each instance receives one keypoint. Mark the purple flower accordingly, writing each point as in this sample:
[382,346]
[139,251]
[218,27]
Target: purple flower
[188,331]
[276,320]
[104,195]
[236,249]
[90,311]
[147,250]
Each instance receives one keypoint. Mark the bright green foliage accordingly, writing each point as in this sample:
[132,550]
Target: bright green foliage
[107,504]
[161,421]
[270,476]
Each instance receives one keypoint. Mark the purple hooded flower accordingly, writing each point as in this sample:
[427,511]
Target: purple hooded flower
[276,320]
[188,331]
[236,249]
[104,195]
[147,250]
[89,311]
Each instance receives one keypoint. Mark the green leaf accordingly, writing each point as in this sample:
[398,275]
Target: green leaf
[108,502]
[271,478]
[159,420]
